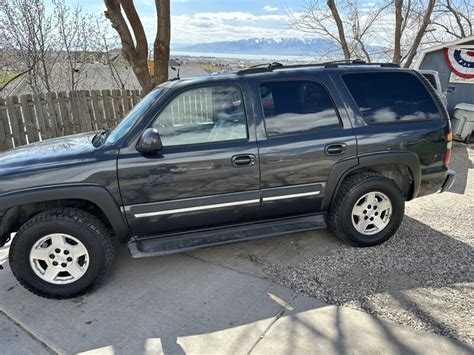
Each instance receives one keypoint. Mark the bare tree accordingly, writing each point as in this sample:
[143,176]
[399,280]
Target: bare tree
[125,20]
[351,29]
[455,18]
[359,27]
[26,31]
[74,31]
[104,43]
[416,16]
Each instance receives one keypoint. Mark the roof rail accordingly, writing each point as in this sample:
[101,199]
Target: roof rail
[261,68]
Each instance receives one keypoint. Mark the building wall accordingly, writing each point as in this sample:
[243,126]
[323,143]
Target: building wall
[463,92]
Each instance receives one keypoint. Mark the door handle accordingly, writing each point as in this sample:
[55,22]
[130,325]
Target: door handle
[243,160]
[335,149]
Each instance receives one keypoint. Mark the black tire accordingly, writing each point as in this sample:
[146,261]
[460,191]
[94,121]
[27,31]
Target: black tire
[83,226]
[352,189]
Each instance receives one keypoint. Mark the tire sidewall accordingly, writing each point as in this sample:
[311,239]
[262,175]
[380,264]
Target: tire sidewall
[398,210]
[24,241]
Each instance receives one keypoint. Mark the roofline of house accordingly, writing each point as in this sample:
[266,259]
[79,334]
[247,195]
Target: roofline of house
[441,46]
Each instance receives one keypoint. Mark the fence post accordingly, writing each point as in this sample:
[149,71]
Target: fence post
[41,116]
[116,97]
[65,112]
[135,97]
[55,115]
[15,120]
[5,132]
[98,111]
[29,118]
[108,108]
[126,101]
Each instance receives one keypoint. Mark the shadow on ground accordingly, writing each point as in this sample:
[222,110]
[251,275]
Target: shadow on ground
[461,163]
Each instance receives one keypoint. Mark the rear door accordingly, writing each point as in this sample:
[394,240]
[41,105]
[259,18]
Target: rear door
[303,131]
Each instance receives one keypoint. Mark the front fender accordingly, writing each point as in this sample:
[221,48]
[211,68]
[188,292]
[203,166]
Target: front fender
[95,194]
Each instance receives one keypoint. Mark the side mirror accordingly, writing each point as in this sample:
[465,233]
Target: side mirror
[150,141]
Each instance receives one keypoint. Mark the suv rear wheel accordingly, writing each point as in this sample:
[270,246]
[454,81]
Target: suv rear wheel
[61,253]
[367,210]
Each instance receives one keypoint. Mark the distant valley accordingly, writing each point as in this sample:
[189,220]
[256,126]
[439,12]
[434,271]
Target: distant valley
[267,46]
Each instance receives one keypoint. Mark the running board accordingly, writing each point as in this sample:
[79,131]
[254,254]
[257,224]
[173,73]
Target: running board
[190,241]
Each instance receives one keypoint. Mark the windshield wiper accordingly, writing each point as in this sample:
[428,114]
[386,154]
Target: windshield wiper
[100,137]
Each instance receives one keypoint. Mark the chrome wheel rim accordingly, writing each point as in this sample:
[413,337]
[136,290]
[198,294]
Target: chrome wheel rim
[59,259]
[372,213]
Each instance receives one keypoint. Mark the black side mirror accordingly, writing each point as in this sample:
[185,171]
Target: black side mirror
[150,141]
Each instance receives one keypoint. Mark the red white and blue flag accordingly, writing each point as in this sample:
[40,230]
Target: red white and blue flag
[460,61]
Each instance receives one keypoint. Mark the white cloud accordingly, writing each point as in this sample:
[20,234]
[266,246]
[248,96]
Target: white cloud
[270,8]
[223,26]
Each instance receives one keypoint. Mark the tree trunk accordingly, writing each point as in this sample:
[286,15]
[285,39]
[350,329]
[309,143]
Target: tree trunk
[421,32]
[397,50]
[340,29]
[137,53]
[161,46]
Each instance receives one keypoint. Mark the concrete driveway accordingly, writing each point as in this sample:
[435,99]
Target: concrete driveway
[225,300]
[182,304]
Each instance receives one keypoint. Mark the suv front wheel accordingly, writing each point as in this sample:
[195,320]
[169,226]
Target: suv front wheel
[61,253]
[367,210]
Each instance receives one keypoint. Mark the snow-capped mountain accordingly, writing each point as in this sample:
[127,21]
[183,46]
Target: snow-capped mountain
[284,46]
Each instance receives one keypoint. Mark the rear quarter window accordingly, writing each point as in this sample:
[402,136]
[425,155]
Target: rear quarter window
[391,97]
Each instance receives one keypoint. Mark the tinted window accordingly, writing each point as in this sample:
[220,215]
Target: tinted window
[209,114]
[296,107]
[389,97]
[431,78]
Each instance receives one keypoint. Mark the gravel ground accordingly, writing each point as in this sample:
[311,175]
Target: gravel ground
[423,277]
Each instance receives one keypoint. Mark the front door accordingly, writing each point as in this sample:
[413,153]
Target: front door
[303,137]
[206,174]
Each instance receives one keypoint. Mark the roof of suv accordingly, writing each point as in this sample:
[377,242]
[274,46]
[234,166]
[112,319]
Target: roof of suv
[264,69]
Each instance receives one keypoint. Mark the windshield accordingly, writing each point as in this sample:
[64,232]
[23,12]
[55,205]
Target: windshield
[133,116]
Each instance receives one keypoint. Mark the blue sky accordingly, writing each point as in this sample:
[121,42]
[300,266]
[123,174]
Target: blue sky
[195,21]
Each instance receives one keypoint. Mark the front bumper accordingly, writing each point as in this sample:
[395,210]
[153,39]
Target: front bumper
[448,182]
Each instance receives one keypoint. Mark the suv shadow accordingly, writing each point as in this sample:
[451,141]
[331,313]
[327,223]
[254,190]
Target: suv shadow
[461,164]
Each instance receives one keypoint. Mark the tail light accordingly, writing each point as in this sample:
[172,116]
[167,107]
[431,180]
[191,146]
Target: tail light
[447,155]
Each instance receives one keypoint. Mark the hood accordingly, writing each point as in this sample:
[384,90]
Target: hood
[51,151]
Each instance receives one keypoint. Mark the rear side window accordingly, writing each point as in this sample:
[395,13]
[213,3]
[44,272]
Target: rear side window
[432,79]
[296,107]
[391,97]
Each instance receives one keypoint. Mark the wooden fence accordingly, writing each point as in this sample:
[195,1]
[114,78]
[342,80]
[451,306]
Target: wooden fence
[31,118]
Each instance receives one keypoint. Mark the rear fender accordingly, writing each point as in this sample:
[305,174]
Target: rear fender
[346,167]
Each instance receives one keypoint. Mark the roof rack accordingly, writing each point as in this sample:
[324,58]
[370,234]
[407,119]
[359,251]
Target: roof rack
[260,68]
[269,67]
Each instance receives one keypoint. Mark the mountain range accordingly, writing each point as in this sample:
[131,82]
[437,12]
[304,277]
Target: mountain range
[267,46]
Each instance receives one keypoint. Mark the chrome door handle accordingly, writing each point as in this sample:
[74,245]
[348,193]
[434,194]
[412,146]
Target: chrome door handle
[335,149]
[243,160]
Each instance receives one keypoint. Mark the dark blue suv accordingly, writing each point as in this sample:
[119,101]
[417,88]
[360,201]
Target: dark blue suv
[205,161]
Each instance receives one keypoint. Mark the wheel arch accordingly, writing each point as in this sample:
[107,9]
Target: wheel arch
[26,203]
[395,165]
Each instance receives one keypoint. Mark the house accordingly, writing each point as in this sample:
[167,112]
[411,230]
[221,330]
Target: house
[454,61]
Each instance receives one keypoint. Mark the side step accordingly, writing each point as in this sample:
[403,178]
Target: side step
[190,241]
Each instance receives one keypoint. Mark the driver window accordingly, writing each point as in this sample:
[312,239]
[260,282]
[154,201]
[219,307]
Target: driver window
[203,115]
